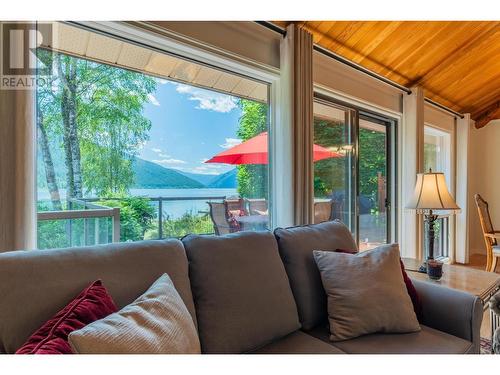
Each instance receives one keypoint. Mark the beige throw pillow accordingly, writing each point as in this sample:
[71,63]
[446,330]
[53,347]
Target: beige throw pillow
[366,293]
[157,322]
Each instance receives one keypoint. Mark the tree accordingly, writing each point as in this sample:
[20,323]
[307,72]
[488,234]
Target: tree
[252,179]
[329,174]
[96,110]
[113,128]
[372,160]
[44,114]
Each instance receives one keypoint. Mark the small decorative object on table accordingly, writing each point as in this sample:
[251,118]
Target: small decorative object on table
[434,269]
[431,194]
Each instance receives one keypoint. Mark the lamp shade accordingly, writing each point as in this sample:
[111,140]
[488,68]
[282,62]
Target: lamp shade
[431,193]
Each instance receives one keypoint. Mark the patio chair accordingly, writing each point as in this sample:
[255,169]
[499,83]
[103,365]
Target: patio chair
[322,211]
[257,206]
[219,218]
[491,236]
[337,210]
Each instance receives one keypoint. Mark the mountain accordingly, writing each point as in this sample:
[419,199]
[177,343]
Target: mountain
[224,181]
[204,179]
[149,175]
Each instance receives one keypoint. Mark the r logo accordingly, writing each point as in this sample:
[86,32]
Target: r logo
[19,52]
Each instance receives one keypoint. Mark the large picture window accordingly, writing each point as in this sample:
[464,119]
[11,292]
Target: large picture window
[135,144]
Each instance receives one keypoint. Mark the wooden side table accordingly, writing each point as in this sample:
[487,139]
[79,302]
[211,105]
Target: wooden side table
[477,282]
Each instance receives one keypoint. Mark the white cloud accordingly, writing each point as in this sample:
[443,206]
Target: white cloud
[169,161]
[161,153]
[209,100]
[231,142]
[161,81]
[153,100]
[204,170]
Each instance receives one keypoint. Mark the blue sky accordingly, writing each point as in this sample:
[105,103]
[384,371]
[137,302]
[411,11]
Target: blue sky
[189,126]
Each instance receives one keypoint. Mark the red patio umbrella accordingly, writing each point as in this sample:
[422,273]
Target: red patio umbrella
[254,151]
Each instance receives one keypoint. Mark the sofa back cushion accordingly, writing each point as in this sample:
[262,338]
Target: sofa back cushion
[36,284]
[241,291]
[296,246]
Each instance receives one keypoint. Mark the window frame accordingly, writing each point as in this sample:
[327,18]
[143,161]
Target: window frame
[447,221]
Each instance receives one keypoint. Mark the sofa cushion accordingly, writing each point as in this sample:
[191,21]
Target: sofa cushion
[296,247]
[157,322]
[45,280]
[241,291]
[426,341]
[298,342]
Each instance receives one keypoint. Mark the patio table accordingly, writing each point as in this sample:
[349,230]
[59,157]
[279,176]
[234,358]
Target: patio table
[253,222]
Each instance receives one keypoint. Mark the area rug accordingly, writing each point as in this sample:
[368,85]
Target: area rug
[485,346]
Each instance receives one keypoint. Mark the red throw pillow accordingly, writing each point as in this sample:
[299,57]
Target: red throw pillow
[412,292]
[92,304]
[410,288]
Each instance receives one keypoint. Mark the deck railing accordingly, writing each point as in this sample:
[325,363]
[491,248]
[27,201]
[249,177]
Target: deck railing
[89,211]
[87,208]
[160,200]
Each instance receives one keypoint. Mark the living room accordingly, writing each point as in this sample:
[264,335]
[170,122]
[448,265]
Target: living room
[196,186]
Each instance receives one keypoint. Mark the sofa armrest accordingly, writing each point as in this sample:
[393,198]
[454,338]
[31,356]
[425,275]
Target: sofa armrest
[452,311]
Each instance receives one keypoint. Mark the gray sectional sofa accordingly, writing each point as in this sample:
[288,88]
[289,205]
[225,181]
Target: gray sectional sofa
[248,292]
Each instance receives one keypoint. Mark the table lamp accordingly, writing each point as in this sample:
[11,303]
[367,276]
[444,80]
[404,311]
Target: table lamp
[431,194]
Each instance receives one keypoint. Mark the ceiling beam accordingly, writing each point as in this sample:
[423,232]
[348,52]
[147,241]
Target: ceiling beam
[491,113]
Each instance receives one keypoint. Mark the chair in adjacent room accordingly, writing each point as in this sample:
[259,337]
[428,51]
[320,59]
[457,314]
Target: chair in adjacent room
[491,236]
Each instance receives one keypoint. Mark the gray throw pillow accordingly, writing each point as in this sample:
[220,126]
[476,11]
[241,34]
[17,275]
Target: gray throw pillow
[366,293]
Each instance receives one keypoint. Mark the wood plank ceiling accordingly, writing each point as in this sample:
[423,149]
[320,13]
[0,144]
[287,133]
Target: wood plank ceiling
[457,63]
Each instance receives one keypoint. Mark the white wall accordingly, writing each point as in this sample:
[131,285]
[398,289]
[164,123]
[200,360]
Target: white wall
[484,178]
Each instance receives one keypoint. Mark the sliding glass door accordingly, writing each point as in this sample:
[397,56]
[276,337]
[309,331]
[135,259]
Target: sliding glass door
[334,177]
[354,183]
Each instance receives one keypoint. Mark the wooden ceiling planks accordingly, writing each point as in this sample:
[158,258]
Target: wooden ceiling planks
[457,63]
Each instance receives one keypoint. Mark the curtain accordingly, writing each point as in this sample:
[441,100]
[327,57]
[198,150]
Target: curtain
[17,170]
[297,87]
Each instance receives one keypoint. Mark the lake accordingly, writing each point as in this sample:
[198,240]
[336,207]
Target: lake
[177,208]
[173,209]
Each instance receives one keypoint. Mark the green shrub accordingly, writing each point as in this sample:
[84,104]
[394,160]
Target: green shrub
[136,216]
[187,223]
